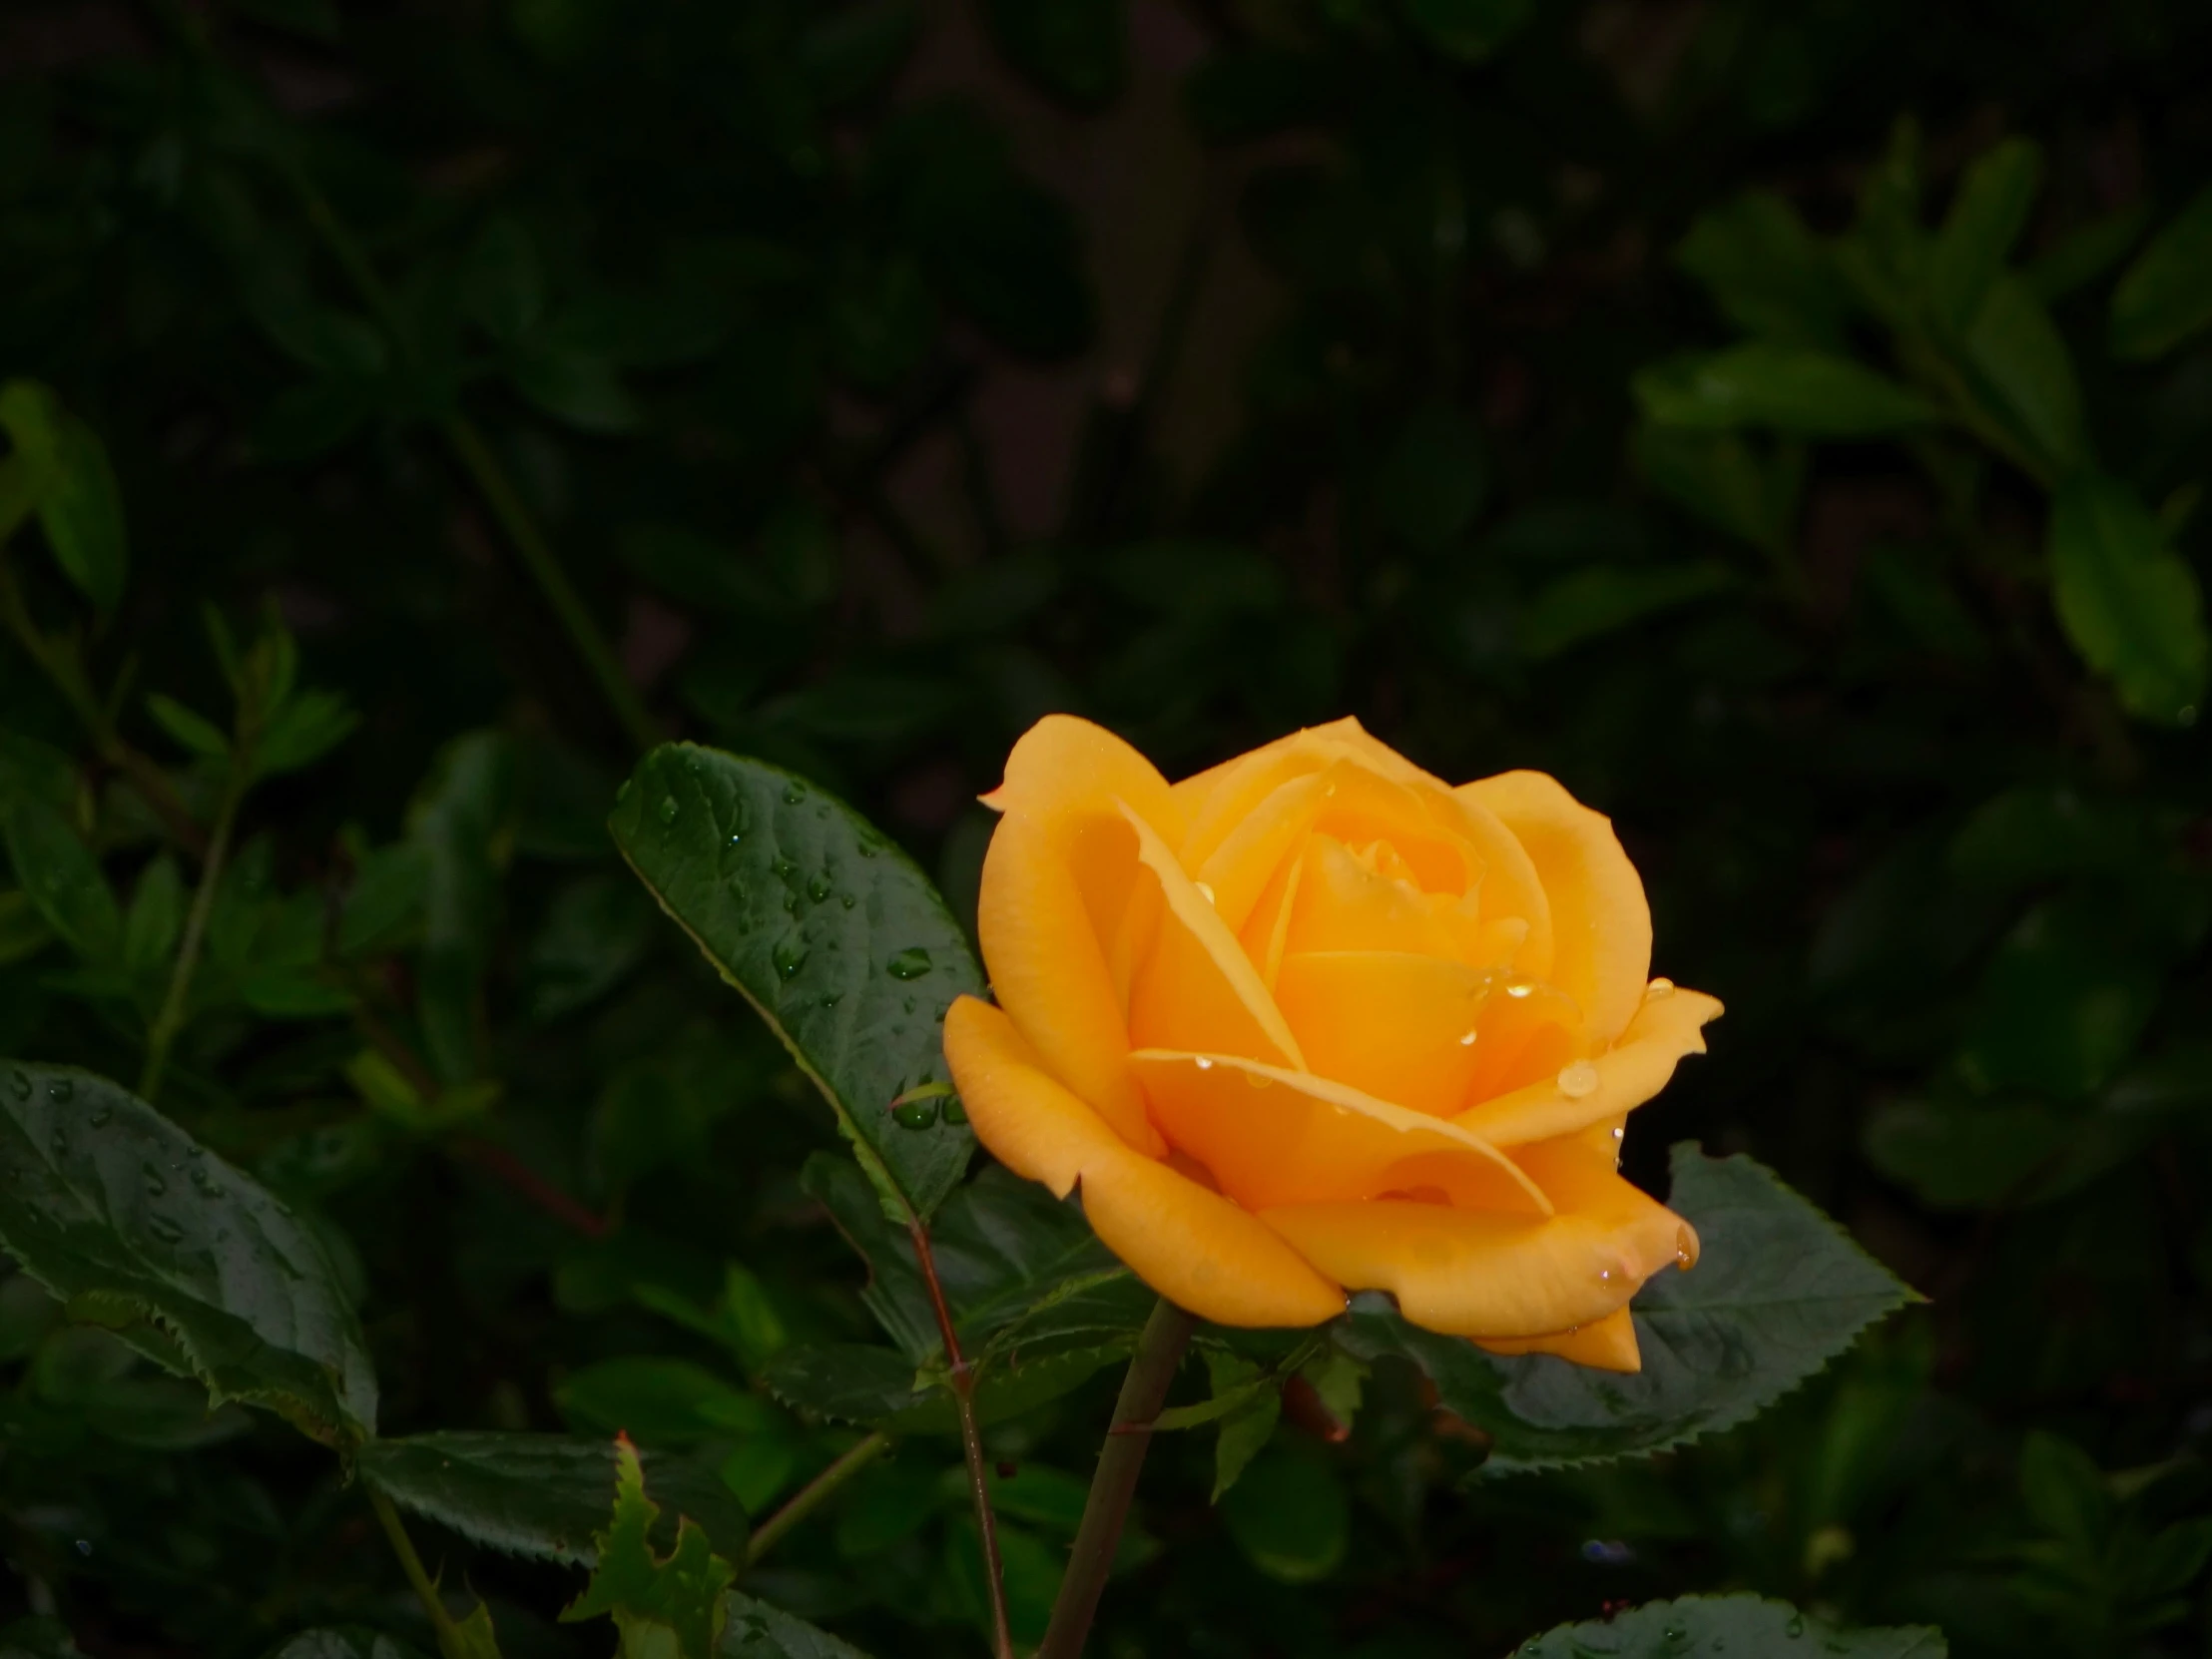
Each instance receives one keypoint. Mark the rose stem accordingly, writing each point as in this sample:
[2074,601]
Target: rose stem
[810,1496]
[1143,1390]
[971,1441]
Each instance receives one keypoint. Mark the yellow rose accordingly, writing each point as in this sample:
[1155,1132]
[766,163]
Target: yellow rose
[1315,1020]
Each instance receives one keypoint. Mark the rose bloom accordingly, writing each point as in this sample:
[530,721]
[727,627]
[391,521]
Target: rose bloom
[1315,1021]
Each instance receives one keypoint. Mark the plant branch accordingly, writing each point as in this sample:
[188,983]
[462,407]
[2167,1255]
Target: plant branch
[418,1577]
[971,1441]
[815,1493]
[170,1019]
[1158,1351]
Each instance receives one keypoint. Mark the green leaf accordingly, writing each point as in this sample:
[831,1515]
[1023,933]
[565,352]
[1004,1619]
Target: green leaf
[1740,1624]
[1248,1428]
[1290,1516]
[666,1401]
[2129,603]
[23,931]
[1431,482]
[2021,379]
[1787,388]
[596,930]
[1605,598]
[502,283]
[60,877]
[1748,490]
[2166,294]
[542,1496]
[757,1631]
[828,930]
[194,731]
[664,1608]
[116,1211]
[1766,272]
[1470,30]
[1985,221]
[37,1639]
[156,918]
[1075,49]
[580,391]
[305,728]
[2065,1000]
[72,487]
[2086,254]
[848,55]
[1778,1293]
[387,895]
[341,1642]
[2066,1491]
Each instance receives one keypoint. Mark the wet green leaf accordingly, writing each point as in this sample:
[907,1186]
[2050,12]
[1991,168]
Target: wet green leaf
[1786,388]
[2166,294]
[1733,1624]
[665,1607]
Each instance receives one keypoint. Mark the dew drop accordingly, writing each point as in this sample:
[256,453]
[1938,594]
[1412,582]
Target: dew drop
[205,1183]
[735,838]
[19,1087]
[910,963]
[165,1230]
[954,1112]
[1259,1082]
[794,792]
[1578,1081]
[60,1091]
[1518,988]
[819,888]
[1204,1064]
[789,956]
[1205,891]
[783,865]
[915,1114]
[1796,1627]
[155,1184]
[833,998]
[1468,1040]
[669,809]
[1659,990]
[847,899]
[101,1116]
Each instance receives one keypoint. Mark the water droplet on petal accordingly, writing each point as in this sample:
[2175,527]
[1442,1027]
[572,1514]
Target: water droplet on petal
[1468,1040]
[669,809]
[1578,1081]
[910,963]
[1205,1064]
[1259,1081]
[1520,987]
[1659,990]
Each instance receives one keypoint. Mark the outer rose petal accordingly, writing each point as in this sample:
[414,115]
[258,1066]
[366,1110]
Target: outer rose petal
[1608,1344]
[1635,1069]
[1601,925]
[1048,965]
[1063,763]
[1192,1246]
[1270,1136]
[1468,1273]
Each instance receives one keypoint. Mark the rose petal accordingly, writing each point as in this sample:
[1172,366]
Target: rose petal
[1049,881]
[1273,1136]
[1394,1026]
[1343,905]
[1637,1067]
[1602,925]
[1471,1273]
[1065,764]
[1608,1344]
[1192,1246]
[1195,988]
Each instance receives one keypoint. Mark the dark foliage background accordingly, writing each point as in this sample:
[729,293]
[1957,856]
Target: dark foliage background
[885,375]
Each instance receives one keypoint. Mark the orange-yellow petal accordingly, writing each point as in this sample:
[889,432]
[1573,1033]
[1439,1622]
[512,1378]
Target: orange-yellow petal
[1606,1085]
[1195,988]
[1344,904]
[1193,1246]
[1394,1026]
[1272,1136]
[1050,882]
[1608,1344]
[1602,925]
[1064,763]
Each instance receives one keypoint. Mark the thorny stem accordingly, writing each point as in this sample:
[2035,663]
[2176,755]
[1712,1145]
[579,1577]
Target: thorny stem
[815,1493]
[170,1019]
[1158,1351]
[971,1441]
[418,1576]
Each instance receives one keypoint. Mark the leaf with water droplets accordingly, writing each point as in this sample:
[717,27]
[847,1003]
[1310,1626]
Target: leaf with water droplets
[544,1495]
[210,1274]
[744,864]
[1742,1624]
[1779,1290]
